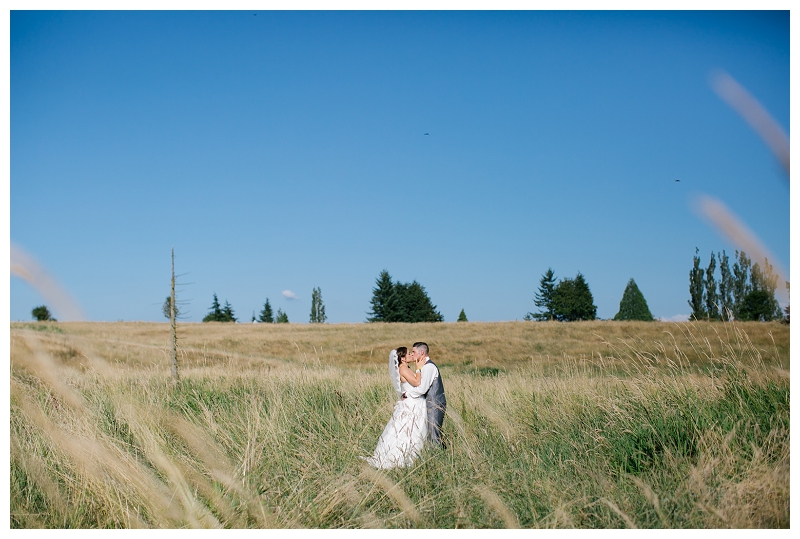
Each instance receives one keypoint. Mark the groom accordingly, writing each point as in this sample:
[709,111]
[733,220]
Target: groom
[430,386]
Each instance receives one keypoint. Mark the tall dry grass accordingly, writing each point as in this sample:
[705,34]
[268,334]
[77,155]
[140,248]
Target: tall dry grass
[590,425]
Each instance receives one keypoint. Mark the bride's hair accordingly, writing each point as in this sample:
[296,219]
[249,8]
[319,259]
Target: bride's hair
[401,353]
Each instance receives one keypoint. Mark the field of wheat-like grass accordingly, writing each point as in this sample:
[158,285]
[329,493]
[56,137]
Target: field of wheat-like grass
[549,425]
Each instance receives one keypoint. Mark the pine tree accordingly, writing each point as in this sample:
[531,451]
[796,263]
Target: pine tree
[266,313]
[725,287]
[281,317]
[462,317]
[572,300]
[216,312]
[317,308]
[697,288]
[712,300]
[227,313]
[397,305]
[741,282]
[633,306]
[418,306]
[544,297]
[401,302]
[381,299]
[165,308]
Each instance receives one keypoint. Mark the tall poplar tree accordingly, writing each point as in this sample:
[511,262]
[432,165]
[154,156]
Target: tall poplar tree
[741,281]
[712,307]
[317,308]
[725,287]
[697,288]
[633,306]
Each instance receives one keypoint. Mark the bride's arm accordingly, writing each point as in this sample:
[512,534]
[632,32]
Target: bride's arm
[413,378]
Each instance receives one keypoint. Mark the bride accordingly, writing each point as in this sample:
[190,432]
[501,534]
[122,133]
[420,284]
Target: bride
[404,435]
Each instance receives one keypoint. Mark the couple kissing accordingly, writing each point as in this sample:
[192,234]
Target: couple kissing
[419,411]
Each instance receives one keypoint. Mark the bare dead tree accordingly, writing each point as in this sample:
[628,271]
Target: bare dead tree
[172,322]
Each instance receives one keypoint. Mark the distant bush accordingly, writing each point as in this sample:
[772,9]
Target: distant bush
[42,313]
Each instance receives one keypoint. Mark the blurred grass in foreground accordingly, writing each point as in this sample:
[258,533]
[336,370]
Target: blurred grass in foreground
[587,425]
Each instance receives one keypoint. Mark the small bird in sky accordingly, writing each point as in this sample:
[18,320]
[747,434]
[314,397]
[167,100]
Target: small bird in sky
[427,134]
[677,180]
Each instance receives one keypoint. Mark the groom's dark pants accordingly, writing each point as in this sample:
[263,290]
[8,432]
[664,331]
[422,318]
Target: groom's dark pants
[436,404]
[435,419]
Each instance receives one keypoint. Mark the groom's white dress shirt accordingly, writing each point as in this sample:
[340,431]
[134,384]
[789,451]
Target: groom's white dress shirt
[429,374]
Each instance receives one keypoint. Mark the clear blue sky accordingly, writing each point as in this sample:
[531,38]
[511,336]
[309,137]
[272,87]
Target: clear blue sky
[287,151]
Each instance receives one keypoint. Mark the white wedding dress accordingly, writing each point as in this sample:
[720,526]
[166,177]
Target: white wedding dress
[405,433]
[404,436]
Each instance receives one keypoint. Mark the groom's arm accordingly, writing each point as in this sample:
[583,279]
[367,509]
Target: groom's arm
[428,373]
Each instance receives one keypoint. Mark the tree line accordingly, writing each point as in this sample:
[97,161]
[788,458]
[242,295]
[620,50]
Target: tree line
[225,313]
[744,291]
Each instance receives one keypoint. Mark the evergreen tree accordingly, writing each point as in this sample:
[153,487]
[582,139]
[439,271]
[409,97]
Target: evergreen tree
[757,306]
[417,306]
[544,297]
[381,298]
[227,313]
[397,305]
[317,308]
[266,313]
[167,306]
[712,307]
[762,280]
[281,317]
[767,280]
[215,315]
[741,282]
[462,317]
[401,302]
[42,314]
[633,306]
[697,288]
[725,287]
[572,300]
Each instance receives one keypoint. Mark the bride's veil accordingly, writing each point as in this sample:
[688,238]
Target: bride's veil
[394,375]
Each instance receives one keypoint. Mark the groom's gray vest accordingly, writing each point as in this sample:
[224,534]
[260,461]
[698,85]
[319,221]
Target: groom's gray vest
[436,403]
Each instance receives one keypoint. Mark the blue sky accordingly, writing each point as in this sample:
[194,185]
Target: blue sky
[284,151]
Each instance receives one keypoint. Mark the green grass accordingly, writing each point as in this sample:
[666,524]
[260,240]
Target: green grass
[627,438]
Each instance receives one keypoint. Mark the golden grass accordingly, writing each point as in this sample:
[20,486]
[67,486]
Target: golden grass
[543,421]
[484,344]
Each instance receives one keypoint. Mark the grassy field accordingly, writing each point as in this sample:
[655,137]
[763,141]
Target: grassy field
[549,425]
